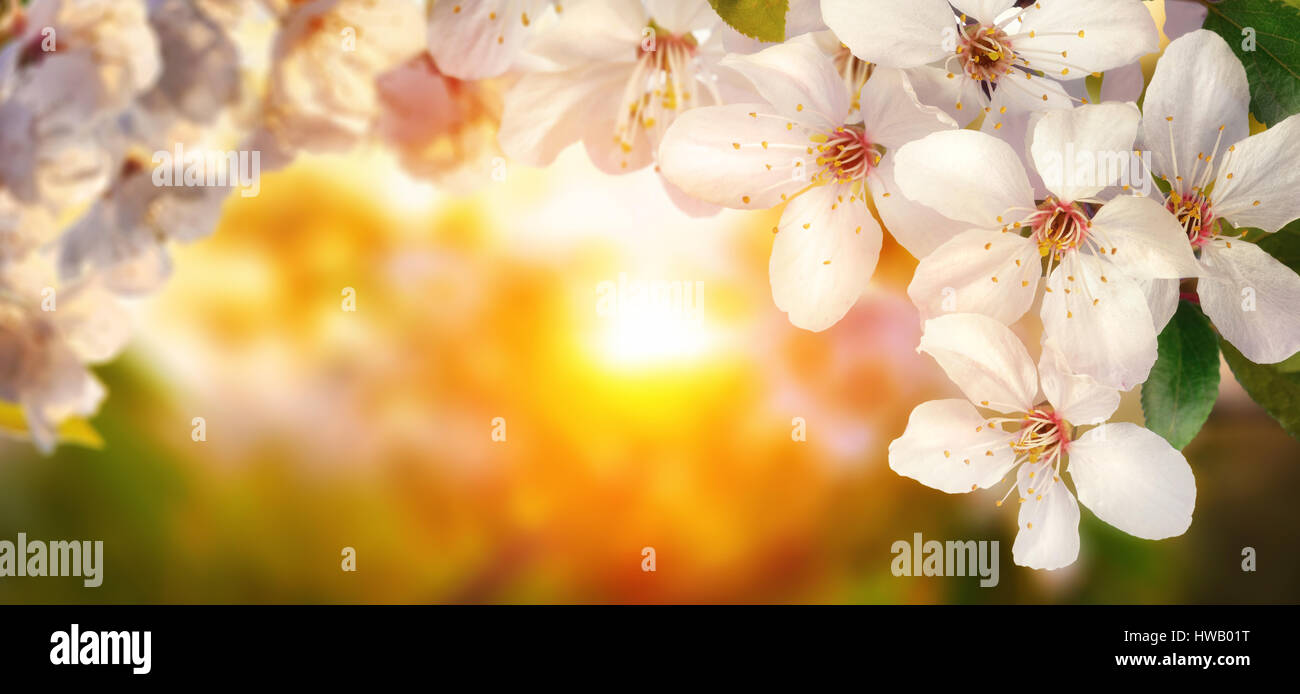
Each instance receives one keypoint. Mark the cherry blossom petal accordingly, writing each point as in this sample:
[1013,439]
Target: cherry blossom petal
[798,79]
[1023,93]
[23,228]
[1134,480]
[546,112]
[1033,478]
[891,113]
[48,152]
[825,252]
[740,155]
[322,93]
[1049,529]
[978,271]
[1081,151]
[692,206]
[141,274]
[480,39]
[69,390]
[1077,398]
[200,74]
[1014,109]
[1201,86]
[983,11]
[682,16]
[916,227]
[1099,320]
[608,151]
[984,359]
[586,33]
[965,175]
[1162,300]
[948,446]
[1140,237]
[94,326]
[1069,39]
[958,96]
[892,33]
[1252,299]
[1262,190]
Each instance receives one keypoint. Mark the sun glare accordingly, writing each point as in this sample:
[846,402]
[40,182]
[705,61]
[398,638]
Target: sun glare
[656,338]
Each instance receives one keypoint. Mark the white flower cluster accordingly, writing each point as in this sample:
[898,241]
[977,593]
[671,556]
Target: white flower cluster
[963,127]
[126,124]
[967,125]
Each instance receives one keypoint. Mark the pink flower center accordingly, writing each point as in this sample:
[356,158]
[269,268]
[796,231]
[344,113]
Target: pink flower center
[845,154]
[1044,435]
[1042,442]
[1058,227]
[666,40]
[1194,214]
[985,52]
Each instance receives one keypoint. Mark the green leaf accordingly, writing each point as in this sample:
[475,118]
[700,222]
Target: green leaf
[758,19]
[1184,383]
[1289,365]
[1283,245]
[1273,66]
[1276,390]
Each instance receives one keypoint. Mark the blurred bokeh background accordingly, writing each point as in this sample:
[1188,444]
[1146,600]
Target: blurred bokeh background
[373,428]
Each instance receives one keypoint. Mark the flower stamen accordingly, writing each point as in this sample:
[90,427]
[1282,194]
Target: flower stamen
[1195,216]
[1058,227]
[985,52]
[845,154]
[662,82]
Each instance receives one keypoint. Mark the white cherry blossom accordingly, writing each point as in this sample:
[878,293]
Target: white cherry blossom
[1196,125]
[476,39]
[987,56]
[120,241]
[72,67]
[200,75]
[442,128]
[1094,256]
[325,61]
[1127,475]
[802,146]
[616,75]
[114,36]
[23,228]
[43,353]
